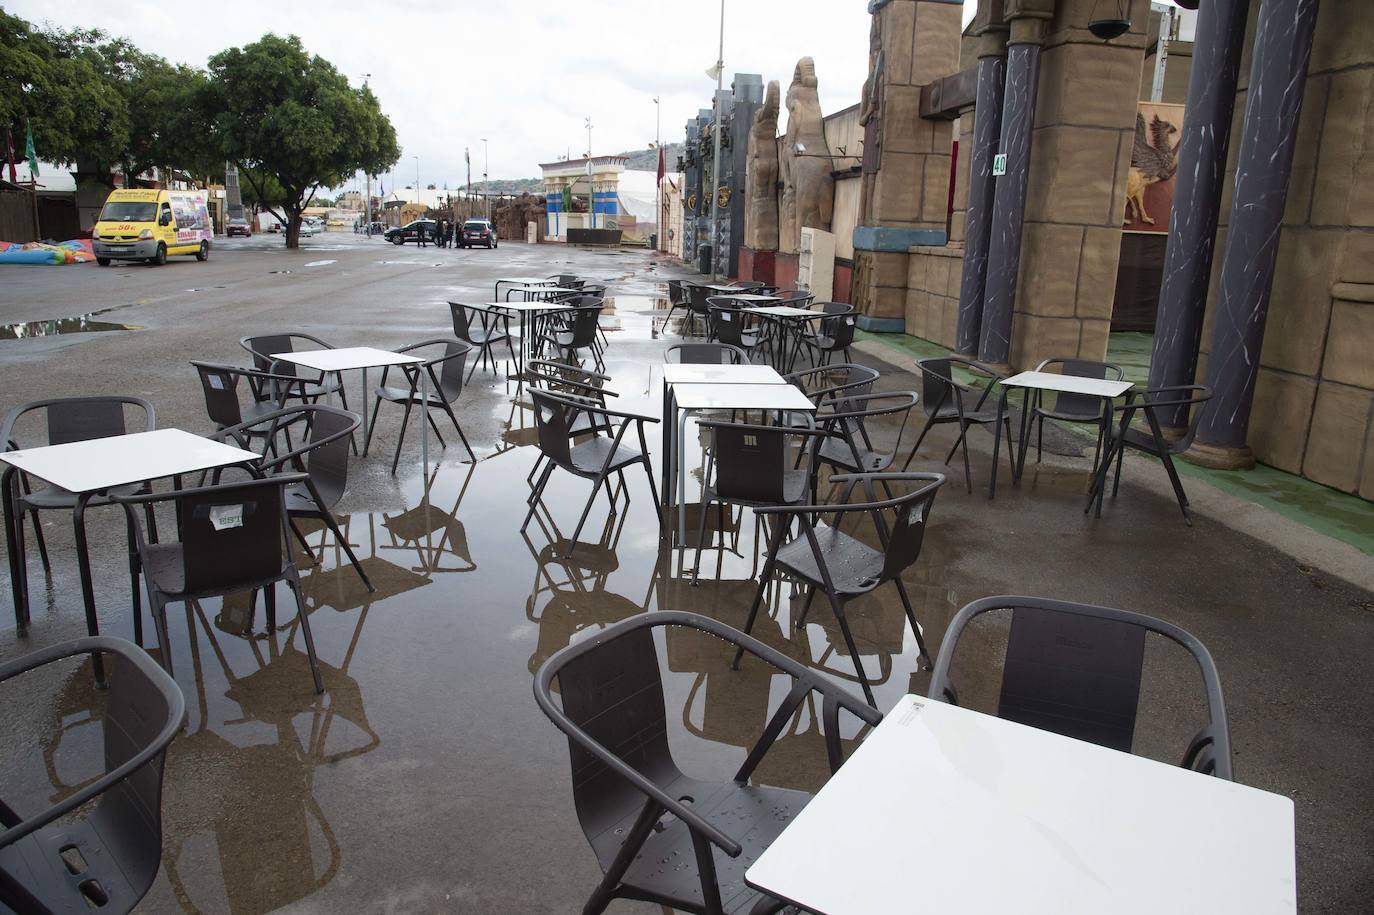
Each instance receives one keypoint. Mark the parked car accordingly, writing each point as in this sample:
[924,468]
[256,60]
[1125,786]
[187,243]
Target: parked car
[308,228]
[274,227]
[237,225]
[478,232]
[411,231]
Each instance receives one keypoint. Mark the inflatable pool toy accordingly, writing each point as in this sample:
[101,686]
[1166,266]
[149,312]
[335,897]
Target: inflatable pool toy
[75,251]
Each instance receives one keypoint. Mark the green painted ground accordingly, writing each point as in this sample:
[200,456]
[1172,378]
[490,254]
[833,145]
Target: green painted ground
[1345,517]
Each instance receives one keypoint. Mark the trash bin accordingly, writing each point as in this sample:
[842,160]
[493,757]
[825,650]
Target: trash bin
[704,259]
[653,242]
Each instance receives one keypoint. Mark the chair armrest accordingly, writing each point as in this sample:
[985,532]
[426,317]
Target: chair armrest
[176,712]
[933,481]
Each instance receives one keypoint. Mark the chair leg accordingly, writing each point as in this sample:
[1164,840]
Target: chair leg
[764,577]
[1040,439]
[463,438]
[135,598]
[371,426]
[915,626]
[435,426]
[300,538]
[806,607]
[701,540]
[269,600]
[400,439]
[158,605]
[294,584]
[930,421]
[42,542]
[343,400]
[838,607]
[653,493]
[1182,498]
[586,510]
[968,473]
[1120,458]
[342,541]
[534,496]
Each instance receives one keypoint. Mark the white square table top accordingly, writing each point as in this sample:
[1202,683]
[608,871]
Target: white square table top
[691,373]
[522,306]
[527,280]
[551,290]
[749,297]
[345,358]
[741,397]
[721,287]
[962,812]
[1069,384]
[102,463]
[787,311]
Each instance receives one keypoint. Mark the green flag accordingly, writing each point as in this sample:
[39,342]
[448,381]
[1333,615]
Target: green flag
[567,199]
[30,153]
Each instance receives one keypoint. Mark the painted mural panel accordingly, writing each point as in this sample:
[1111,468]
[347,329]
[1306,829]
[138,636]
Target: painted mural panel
[1154,162]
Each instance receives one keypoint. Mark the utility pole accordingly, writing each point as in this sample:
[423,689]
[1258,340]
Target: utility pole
[591,196]
[1166,34]
[486,191]
[658,179]
[715,154]
[367,197]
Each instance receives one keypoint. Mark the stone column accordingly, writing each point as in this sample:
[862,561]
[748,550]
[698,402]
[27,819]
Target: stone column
[1197,196]
[987,127]
[1009,202]
[1278,72]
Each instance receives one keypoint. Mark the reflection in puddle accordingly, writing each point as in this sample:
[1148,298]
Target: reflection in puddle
[81,324]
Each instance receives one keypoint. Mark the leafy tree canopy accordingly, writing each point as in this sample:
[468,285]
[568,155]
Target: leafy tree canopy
[53,86]
[279,111]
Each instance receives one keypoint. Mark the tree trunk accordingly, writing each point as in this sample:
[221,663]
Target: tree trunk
[293,227]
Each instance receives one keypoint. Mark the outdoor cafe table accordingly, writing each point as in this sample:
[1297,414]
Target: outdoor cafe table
[535,293]
[90,468]
[787,320]
[1042,381]
[364,357]
[943,809]
[521,281]
[689,389]
[529,313]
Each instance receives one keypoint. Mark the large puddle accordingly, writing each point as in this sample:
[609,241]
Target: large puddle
[81,324]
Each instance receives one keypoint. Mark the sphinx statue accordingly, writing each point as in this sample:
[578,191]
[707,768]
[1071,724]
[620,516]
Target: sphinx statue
[808,194]
[761,214]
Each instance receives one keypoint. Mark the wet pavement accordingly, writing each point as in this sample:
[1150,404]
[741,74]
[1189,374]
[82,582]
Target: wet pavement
[425,779]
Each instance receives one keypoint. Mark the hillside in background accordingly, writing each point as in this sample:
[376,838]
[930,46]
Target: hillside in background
[647,159]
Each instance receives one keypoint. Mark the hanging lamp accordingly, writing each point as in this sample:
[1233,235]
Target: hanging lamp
[1109,27]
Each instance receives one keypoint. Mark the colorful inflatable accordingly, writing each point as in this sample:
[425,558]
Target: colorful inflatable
[76,251]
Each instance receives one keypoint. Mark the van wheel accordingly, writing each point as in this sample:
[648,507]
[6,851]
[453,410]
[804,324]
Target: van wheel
[204,253]
[161,257]
[103,261]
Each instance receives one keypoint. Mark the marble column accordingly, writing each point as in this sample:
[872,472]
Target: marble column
[1009,201]
[1197,196]
[1273,101]
[987,126]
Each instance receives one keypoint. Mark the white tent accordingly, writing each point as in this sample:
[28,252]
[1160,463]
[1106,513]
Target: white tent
[635,190]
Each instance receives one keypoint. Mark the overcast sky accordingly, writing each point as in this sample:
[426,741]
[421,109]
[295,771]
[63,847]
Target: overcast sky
[524,75]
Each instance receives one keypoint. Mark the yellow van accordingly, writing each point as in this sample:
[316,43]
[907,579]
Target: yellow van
[149,225]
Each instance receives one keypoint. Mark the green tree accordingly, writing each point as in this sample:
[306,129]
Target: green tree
[261,192]
[278,111]
[54,87]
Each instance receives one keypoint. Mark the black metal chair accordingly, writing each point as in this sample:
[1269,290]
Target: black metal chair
[698,309]
[705,354]
[262,346]
[849,446]
[1075,669]
[567,280]
[943,402]
[68,419]
[751,286]
[677,298]
[835,334]
[106,860]
[827,382]
[844,567]
[555,417]
[1075,408]
[581,334]
[730,325]
[233,539]
[748,466]
[491,329]
[561,378]
[612,707]
[445,387]
[323,456]
[1172,399]
[268,392]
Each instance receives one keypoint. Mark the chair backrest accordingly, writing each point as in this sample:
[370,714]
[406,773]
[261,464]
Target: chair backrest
[327,459]
[451,369]
[462,321]
[220,384]
[79,419]
[584,325]
[577,380]
[263,346]
[840,330]
[231,534]
[553,420]
[751,461]
[749,285]
[1082,404]
[728,324]
[705,354]
[675,292]
[908,531]
[831,381]
[584,301]
[696,299]
[596,289]
[1177,402]
[1075,669]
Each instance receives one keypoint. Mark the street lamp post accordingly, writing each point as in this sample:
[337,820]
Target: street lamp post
[658,179]
[591,196]
[486,191]
[367,200]
[417,181]
[715,155]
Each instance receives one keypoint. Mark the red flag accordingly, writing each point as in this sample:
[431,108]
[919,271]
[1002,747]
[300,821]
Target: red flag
[662,165]
[9,155]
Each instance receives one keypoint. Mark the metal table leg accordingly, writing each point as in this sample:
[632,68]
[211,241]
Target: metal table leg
[997,442]
[83,559]
[9,484]
[1024,441]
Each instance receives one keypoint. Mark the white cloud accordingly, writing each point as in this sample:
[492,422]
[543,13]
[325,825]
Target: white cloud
[522,74]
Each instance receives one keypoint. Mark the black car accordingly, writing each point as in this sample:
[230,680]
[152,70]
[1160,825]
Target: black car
[412,231]
[477,232]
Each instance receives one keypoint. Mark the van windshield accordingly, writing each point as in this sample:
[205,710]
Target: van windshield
[129,211]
